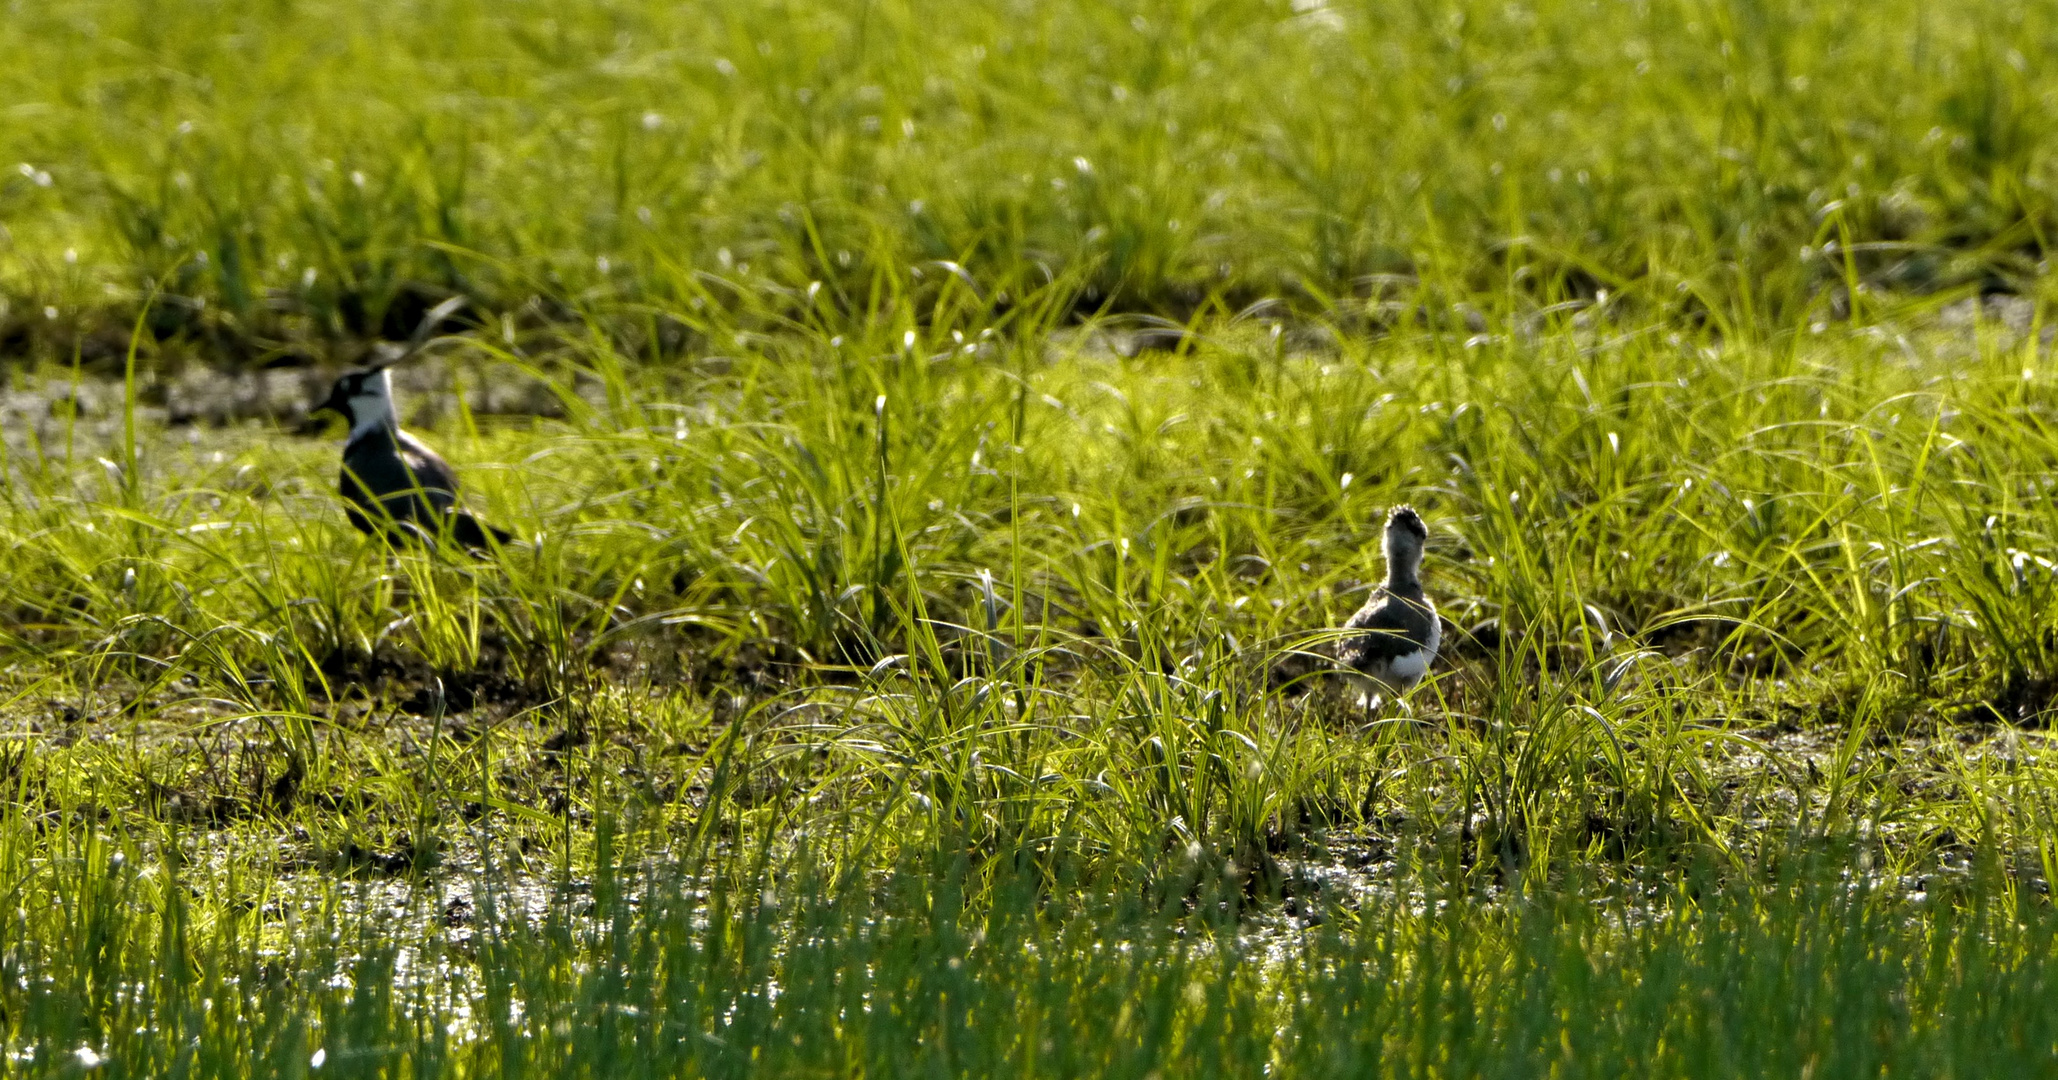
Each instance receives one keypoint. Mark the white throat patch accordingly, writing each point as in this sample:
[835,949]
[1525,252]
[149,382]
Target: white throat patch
[372,407]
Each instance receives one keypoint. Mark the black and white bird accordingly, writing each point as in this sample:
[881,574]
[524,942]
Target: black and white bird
[1393,639]
[394,485]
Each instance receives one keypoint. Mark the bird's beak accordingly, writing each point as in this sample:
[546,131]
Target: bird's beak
[334,403]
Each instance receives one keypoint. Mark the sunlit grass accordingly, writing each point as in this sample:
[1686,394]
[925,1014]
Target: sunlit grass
[945,440]
[1015,586]
[651,973]
[290,173]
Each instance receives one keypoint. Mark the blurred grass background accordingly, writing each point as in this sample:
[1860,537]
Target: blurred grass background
[297,167]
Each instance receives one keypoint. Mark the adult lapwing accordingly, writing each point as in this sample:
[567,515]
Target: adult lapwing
[394,485]
[1394,637]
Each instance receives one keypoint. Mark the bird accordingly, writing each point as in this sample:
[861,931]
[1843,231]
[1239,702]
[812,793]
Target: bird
[1392,640]
[394,485]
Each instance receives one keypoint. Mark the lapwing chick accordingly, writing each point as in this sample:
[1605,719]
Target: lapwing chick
[1394,637]
[394,485]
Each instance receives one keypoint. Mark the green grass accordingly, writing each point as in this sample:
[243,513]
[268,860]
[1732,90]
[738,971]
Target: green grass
[908,668]
[1800,976]
[1721,604]
[299,167]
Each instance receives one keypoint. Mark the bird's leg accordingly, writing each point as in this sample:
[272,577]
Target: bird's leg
[396,573]
[1369,704]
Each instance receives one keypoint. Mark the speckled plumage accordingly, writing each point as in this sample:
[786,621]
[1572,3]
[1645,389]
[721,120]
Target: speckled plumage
[1397,632]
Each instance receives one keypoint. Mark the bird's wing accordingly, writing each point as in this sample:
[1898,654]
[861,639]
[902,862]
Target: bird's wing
[432,474]
[439,482]
[1392,626]
[470,532]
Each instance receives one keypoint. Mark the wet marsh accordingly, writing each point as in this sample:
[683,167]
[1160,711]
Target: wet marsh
[916,657]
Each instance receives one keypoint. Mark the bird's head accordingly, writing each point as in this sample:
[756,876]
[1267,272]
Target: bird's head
[1405,536]
[364,399]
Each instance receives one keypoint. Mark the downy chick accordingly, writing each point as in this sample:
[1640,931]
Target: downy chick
[1396,634]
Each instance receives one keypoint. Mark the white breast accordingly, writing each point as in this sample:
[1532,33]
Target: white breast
[1407,669]
[1410,667]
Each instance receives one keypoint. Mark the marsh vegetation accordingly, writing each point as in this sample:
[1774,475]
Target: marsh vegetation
[943,440]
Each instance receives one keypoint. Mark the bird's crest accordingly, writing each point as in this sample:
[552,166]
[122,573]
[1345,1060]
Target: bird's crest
[394,354]
[368,380]
[1405,517]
